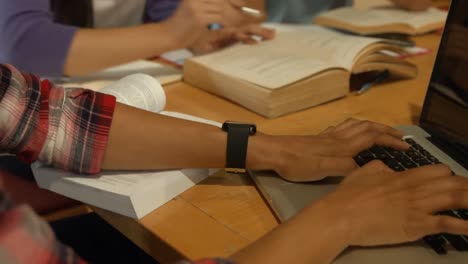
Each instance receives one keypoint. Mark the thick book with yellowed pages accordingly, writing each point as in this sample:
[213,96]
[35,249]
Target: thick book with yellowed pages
[386,19]
[302,67]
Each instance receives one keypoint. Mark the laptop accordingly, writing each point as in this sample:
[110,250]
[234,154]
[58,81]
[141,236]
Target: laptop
[440,137]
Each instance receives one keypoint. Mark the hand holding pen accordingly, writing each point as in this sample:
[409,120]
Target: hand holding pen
[193,17]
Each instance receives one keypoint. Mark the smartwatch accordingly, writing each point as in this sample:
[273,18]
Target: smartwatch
[237,142]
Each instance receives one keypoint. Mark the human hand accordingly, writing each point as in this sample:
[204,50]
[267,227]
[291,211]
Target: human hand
[381,207]
[311,158]
[218,39]
[373,206]
[192,17]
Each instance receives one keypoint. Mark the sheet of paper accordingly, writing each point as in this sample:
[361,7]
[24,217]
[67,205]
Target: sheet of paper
[138,90]
[297,52]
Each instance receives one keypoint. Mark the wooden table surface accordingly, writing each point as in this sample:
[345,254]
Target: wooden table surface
[225,213]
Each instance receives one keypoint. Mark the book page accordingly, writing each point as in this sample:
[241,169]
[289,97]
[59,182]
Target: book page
[320,43]
[381,16]
[297,52]
[358,17]
[138,90]
[431,16]
[263,66]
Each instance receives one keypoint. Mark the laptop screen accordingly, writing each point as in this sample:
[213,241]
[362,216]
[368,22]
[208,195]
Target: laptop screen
[445,112]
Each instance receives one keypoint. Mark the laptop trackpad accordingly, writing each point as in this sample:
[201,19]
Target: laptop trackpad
[287,198]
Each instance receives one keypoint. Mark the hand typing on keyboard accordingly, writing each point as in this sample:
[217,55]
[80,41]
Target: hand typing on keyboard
[380,206]
[311,158]
[417,156]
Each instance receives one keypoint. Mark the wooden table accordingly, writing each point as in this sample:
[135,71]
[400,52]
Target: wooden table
[225,213]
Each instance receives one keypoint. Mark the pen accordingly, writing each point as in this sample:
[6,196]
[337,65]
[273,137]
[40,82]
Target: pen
[246,10]
[380,77]
[251,11]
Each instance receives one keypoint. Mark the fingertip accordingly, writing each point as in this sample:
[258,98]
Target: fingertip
[400,145]
[443,169]
[376,164]
[405,145]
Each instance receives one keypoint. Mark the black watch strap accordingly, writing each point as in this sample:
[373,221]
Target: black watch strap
[236,152]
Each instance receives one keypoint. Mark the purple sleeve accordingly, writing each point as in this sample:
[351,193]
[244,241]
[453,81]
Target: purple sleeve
[159,10]
[29,38]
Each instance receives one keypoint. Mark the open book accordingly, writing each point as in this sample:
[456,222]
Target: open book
[302,67]
[133,194]
[380,20]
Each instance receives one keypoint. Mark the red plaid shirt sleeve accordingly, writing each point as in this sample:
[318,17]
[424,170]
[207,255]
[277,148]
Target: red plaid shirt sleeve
[64,128]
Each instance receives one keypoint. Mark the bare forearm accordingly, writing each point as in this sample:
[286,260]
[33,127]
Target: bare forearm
[310,237]
[141,140]
[415,5]
[95,49]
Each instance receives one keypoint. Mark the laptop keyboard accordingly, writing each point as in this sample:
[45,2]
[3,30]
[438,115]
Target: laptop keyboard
[415,157]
